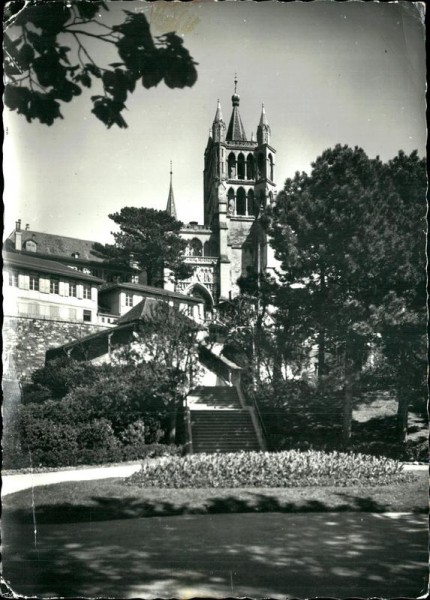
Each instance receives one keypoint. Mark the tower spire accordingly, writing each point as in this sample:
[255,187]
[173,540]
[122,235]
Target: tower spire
[171,208]
[218,126]
[263,129]
[236,131]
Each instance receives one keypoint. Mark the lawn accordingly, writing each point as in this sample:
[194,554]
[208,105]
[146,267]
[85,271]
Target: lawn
[108,499]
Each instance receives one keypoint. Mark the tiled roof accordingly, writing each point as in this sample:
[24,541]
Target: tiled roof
[150,291]
[35,263]
[151,309]
[146,310]
[59,246]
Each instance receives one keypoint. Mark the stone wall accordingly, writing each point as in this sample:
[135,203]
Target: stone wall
[26,340]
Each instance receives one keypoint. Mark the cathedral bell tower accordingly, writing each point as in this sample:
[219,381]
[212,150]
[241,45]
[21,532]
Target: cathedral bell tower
[238,183]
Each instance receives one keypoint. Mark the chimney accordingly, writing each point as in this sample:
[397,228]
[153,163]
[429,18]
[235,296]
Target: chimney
[133,262]
[18,236]
[27,226]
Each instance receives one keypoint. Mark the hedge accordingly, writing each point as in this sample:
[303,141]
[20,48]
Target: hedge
[263,469]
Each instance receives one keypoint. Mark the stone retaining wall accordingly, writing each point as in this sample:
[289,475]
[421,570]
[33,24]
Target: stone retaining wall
[26,340]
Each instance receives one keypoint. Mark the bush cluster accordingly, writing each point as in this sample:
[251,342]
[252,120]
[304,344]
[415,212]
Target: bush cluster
[51,436]
[263,469]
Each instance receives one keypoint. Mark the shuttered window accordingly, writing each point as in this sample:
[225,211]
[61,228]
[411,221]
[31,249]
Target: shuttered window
[23,282]
[44,285]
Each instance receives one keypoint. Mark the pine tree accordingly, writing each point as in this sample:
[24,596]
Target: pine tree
[350,239]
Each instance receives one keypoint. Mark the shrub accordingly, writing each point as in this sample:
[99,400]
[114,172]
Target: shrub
[97,443]
[263,469]
[49,443]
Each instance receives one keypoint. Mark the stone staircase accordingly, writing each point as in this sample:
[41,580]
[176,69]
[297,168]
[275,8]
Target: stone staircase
[219,423]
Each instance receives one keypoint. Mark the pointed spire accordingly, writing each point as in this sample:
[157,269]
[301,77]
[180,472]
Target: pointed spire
[263,118]
[171,208]
[218,114]
[218,126]
[263,129]
[236,131]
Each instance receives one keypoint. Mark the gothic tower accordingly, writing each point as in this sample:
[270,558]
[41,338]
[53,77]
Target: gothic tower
[238,183]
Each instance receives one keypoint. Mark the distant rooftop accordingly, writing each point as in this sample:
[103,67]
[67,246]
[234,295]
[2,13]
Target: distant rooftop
[35,263]
[150,290]
[59,246]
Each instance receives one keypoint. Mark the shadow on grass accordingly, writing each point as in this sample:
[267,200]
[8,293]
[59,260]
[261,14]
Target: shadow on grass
[218,556]
[111,508]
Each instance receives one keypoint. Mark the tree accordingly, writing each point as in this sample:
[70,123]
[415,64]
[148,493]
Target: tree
[151,238]
[168,346]
[347,238]
[47,62]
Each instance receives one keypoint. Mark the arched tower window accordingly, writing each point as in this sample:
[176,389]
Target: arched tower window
[231,162]
[270,161]
[251,207]
[207,249]
[230,198]
[241,166]
[250,168]
[196,247]
[261,166]
[241,202]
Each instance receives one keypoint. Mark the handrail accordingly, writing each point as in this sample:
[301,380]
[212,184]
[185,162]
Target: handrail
[260,418]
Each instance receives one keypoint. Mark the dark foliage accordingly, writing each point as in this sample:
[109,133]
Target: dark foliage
[41,72]
[152,238]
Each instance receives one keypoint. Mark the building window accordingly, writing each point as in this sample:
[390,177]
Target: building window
[75,254]
[135,278]
[34,282]
[196,247]
[87,292]
[87,315]
[54,286]
[13,278]
[72,289]
[129,299]
[30,246]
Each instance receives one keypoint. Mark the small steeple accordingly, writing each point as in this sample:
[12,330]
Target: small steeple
[236,131]
[171,208]
[263,129]
[218,126]
[218,114]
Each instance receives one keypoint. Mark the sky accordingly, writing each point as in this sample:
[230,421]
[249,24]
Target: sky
[327,72]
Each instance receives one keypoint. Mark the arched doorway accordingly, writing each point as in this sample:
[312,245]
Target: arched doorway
[199,291]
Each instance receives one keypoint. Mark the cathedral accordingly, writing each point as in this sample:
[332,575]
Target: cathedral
[238,184]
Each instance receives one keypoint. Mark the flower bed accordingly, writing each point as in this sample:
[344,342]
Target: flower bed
[263,469]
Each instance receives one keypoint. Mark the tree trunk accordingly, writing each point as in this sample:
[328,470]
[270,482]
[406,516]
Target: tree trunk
[322,332]
[172,425]
[347,400]
[402,416]
[321,355]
